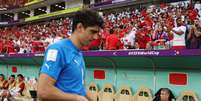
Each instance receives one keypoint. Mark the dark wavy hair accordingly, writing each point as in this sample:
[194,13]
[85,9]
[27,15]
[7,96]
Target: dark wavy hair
[157,95]
[2,76]
[88,18]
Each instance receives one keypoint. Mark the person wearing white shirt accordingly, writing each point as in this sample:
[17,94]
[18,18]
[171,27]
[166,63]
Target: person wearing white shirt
[178,32]
[129,39]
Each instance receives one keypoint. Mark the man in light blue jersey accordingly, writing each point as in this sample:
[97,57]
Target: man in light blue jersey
[63,71]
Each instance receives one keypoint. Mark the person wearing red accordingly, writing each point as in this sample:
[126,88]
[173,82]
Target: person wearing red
[112,41]
[143,38]
[11,82]
[148,21]
[104,35]
[10,3]
[6,93]
[120,35]
[192,14]
[143,13]
[3,82]
[17,33]
[37,46]
[20,84]
[1,45]
[41,47]
[21,2]
[95,44]
[34,47]
[5,3]
[10,46]
[1,4]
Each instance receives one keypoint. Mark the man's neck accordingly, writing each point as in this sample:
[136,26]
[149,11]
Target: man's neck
[165,100]
[75,40]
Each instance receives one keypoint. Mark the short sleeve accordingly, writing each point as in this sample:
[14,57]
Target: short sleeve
[52,64]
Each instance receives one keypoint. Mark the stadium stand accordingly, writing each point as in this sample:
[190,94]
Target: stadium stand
[32,38]
[149,28]
[11,4]
[145,28]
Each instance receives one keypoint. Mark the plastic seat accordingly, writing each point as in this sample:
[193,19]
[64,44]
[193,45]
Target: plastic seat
[188,96]
[143,94]
[106,93]
[124,94]
[93,89]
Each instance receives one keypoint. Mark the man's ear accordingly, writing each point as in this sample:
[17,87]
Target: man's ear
[79,27]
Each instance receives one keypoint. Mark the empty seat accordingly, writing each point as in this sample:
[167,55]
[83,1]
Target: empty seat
[143,94]
[188,96]
[93,89]
[106,93]
[124,94]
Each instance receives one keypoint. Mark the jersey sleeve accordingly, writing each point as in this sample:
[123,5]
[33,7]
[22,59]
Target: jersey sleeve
[52,64]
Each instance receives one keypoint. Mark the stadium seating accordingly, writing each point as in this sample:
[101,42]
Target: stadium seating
[143,94]
[188,96]
[107,93]
[124,94]
[93,89]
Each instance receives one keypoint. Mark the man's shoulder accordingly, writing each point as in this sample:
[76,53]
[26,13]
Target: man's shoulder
[59,44]
[63,47]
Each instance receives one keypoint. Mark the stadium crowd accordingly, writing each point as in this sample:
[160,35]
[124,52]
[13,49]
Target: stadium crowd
[11,4]
[167,26]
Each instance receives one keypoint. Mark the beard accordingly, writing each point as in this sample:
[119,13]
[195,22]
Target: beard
[85,43]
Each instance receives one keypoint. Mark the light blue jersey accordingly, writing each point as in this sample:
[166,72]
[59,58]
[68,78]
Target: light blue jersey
[64,62]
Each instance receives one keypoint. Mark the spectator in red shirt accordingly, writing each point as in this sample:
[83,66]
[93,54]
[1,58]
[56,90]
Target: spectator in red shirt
[4,46]
[10,46]
[37,46]
[1,45]
[3,82]
[5,3]
[193,13]
[104,34]
[143,38]
[95,44]
[112,41]
[20,84]
[1,4]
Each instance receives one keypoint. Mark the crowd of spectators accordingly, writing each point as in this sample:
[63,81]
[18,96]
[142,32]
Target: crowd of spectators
[166,26]
[32,38]
[169,26]
[11,4]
